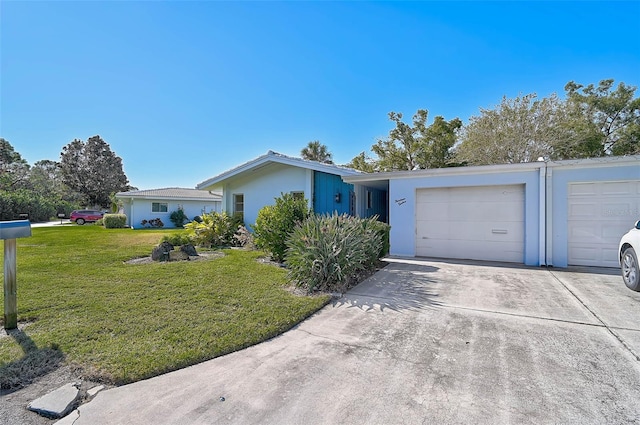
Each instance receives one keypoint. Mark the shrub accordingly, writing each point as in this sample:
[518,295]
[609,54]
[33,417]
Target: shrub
[214,229]
[237,220]
[154,222]
[114,221]
[176,239]
[178,218]
[275,223]
[327,252]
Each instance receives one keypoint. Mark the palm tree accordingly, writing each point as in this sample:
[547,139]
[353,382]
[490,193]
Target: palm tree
[316,151]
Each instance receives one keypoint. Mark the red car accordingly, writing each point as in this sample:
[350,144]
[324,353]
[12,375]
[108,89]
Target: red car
[85,216]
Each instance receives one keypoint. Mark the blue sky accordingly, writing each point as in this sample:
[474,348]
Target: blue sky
[183,90]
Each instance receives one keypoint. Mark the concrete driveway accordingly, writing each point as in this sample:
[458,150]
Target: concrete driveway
[421,342]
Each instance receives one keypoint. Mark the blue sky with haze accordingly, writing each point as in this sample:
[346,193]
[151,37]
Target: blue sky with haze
[183,90]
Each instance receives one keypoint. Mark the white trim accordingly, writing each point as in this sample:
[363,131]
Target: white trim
[480,169]
[498,168]
[274,157]
[606,161]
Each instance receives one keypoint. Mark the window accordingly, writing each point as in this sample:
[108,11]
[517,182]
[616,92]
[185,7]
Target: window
[238,203]
[297,195]
[159,207]
[369,199]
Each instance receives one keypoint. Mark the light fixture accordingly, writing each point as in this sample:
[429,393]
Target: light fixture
[338,196]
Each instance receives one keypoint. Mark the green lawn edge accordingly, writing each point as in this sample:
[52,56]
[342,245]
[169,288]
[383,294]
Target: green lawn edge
[79,303]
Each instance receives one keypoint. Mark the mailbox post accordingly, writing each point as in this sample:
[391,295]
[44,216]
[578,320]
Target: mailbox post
[9,231]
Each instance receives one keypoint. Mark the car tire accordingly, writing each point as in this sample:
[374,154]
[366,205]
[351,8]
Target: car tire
[630,269]
[80,221]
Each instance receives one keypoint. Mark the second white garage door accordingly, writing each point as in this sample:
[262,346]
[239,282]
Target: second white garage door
[477,223]
[599,214]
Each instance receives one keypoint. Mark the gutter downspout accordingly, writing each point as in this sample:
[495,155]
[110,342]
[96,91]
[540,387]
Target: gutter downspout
[131,218]
[549,217]
[542,222]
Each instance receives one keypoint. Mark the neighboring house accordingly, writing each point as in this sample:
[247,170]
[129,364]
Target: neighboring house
[543,213]
[139,205]
[255,184]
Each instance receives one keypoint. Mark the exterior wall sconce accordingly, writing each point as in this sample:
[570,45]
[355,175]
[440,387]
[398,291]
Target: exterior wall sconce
[338,197]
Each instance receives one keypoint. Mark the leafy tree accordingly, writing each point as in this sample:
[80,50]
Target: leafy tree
[440,137]
[363,163]
[601,121]
[92,169]
[45,178]
[13,168]
[518,130]
[417,146]
[316,151]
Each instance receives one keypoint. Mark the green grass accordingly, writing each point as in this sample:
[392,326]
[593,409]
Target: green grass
[124,322]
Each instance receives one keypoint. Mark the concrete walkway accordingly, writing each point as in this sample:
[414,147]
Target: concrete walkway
[421,342]
[52,223]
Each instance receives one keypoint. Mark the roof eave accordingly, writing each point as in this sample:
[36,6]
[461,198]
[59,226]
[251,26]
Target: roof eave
[478,169]
[275,158]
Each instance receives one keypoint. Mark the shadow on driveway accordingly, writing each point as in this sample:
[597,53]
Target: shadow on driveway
[397,287]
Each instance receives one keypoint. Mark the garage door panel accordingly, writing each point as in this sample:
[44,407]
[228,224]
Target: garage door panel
[443,230]
[583,210]
[613,211]
[612,232]
[582,189]
[471,194]
[482,223]
[486,211]
[599,213]
[433,211]
[460,211]
[617,188]
[472,250]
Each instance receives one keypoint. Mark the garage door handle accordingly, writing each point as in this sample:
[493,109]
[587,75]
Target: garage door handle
[499,231]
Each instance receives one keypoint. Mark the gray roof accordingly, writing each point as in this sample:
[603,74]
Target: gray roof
[275,157]
[171,193]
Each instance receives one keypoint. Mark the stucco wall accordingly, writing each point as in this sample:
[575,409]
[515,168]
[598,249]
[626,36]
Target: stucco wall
[402,208]
[140,209]
[261,187]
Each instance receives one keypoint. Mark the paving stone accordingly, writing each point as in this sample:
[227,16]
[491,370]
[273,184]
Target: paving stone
[57,403]
[69,419]
[95,390]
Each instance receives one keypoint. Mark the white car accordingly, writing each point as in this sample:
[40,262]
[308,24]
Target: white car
[628,255]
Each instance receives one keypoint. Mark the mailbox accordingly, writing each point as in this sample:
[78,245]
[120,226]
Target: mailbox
[9,231]
[15,229]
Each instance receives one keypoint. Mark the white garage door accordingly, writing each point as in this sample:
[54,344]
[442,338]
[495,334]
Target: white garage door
[478,223]
[599,213]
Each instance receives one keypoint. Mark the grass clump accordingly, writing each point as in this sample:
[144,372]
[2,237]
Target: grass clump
[126,322]
[328,252]
[176,239]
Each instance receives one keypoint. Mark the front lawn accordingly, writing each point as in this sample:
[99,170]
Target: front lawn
[79,301]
